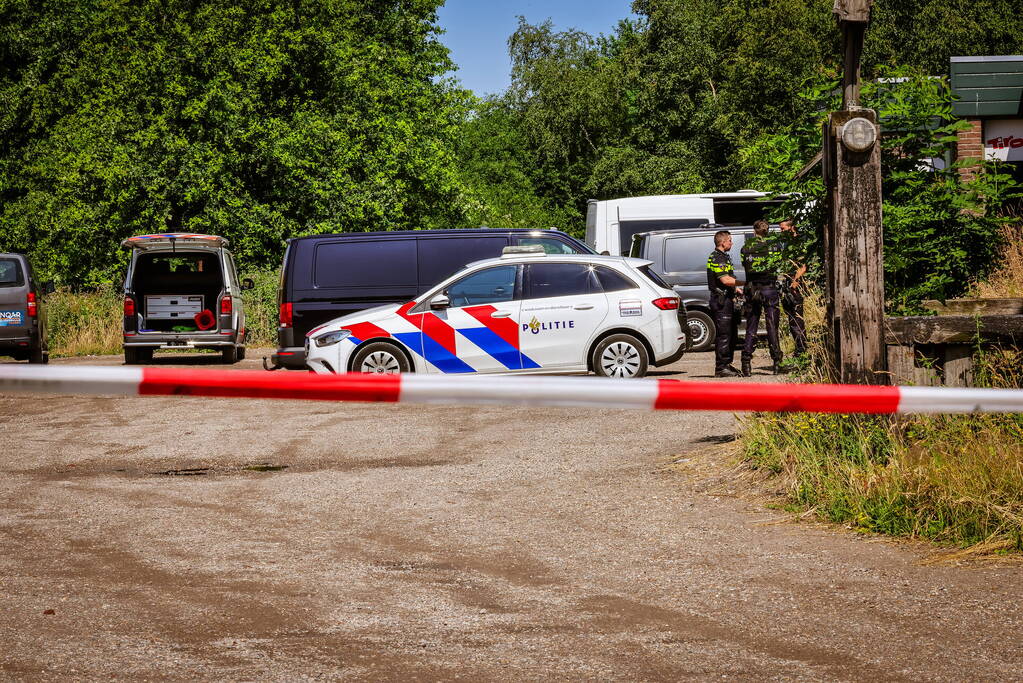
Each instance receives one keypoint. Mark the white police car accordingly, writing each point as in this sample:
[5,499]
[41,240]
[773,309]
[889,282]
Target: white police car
[526,312]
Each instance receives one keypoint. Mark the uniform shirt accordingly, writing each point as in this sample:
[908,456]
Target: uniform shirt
[763,258]
[719,263]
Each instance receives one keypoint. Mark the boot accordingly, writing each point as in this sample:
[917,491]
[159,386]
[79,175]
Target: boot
[778,368]
[747,370]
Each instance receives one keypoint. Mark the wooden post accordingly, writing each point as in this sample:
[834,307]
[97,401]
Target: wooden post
[852,170]
[857,271]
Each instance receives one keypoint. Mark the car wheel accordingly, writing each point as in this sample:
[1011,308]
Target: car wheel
[241,353]
[39,356]
[133,355]
[701,331]
[620,355]
[380,358]
[230,355]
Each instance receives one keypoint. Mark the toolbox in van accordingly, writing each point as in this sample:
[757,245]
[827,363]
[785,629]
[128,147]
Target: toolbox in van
[174,307]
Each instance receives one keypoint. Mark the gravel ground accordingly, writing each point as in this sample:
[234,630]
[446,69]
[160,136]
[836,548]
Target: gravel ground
[185,538]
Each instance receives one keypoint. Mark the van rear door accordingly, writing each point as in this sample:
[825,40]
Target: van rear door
[173,240]
[14,320]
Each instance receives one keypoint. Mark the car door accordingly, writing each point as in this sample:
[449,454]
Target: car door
[479,331]
[563,306]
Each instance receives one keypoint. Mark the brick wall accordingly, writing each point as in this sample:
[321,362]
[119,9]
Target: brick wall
[971,146]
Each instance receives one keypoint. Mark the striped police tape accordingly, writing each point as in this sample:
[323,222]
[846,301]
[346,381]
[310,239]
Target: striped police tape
[645,394]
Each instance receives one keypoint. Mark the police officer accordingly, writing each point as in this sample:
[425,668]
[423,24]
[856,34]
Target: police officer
[791,284]
[723,288]
[762,260]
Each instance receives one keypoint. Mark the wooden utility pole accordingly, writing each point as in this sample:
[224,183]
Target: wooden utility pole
[853,252]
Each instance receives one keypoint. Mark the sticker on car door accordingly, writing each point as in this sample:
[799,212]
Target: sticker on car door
[10,318]
[630,308]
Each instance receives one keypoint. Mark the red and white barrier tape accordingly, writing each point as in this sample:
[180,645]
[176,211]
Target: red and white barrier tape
[661,394]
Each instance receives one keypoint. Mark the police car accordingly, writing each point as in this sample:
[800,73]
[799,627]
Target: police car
[525,312]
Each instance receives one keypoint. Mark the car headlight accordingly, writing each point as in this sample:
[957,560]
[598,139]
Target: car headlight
[332,337]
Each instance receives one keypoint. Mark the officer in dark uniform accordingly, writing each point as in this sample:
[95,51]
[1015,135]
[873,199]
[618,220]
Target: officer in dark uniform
[762,259]
[791,283]
[723,288]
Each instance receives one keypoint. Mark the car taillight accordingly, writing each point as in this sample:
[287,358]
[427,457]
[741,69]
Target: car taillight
[286,314]
[31,305]
[129,306]
[668,303]
[226,305]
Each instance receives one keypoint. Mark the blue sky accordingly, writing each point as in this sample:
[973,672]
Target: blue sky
[477,32]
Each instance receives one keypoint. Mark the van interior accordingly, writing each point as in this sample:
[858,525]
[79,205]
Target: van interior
[733,212]
[171,288]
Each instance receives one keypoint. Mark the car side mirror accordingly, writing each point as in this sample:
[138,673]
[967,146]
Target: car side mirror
[247,283]
[49,288]
[440,302]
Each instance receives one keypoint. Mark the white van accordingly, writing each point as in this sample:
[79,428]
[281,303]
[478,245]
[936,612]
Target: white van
[610,224]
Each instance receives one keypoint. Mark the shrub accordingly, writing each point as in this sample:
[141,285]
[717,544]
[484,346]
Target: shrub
[85,323]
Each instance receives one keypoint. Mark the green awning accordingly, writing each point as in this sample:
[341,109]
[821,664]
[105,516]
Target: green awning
[987,86]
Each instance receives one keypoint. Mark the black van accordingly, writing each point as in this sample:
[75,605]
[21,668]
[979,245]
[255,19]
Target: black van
[328,276]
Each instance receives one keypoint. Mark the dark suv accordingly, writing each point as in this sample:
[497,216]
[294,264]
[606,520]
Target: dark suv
[327,276]
[22,318]
[680,258]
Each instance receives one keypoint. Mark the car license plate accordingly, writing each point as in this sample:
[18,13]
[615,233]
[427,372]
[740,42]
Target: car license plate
[10,318]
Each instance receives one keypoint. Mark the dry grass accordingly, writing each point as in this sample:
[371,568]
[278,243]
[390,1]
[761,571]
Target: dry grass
[955,480]
[1007,280]
[82,324]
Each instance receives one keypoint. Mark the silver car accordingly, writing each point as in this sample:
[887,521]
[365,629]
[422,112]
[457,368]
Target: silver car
[182,291]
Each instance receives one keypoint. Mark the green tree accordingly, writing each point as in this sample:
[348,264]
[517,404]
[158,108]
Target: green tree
[257,123]
[941,232]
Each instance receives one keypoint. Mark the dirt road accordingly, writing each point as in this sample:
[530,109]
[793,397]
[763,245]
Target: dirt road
[166,538]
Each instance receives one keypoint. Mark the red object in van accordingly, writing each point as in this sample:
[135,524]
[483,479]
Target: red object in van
[204,320]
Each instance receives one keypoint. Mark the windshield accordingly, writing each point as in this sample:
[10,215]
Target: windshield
[10,273]
[654,277]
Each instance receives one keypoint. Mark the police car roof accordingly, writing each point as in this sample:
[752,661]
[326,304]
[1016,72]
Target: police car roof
[563,258]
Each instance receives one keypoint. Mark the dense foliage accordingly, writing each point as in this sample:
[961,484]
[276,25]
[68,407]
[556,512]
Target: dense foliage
[269,120]
[716,95]
[257,121]
[941,230]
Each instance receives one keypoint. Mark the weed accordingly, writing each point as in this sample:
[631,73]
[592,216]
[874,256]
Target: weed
[1006,281]
[84,323]
[956,480]
[261,308]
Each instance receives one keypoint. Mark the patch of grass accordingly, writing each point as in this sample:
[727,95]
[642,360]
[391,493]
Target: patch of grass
[261,307]
[956,480]
[1006,281]
[84,323]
